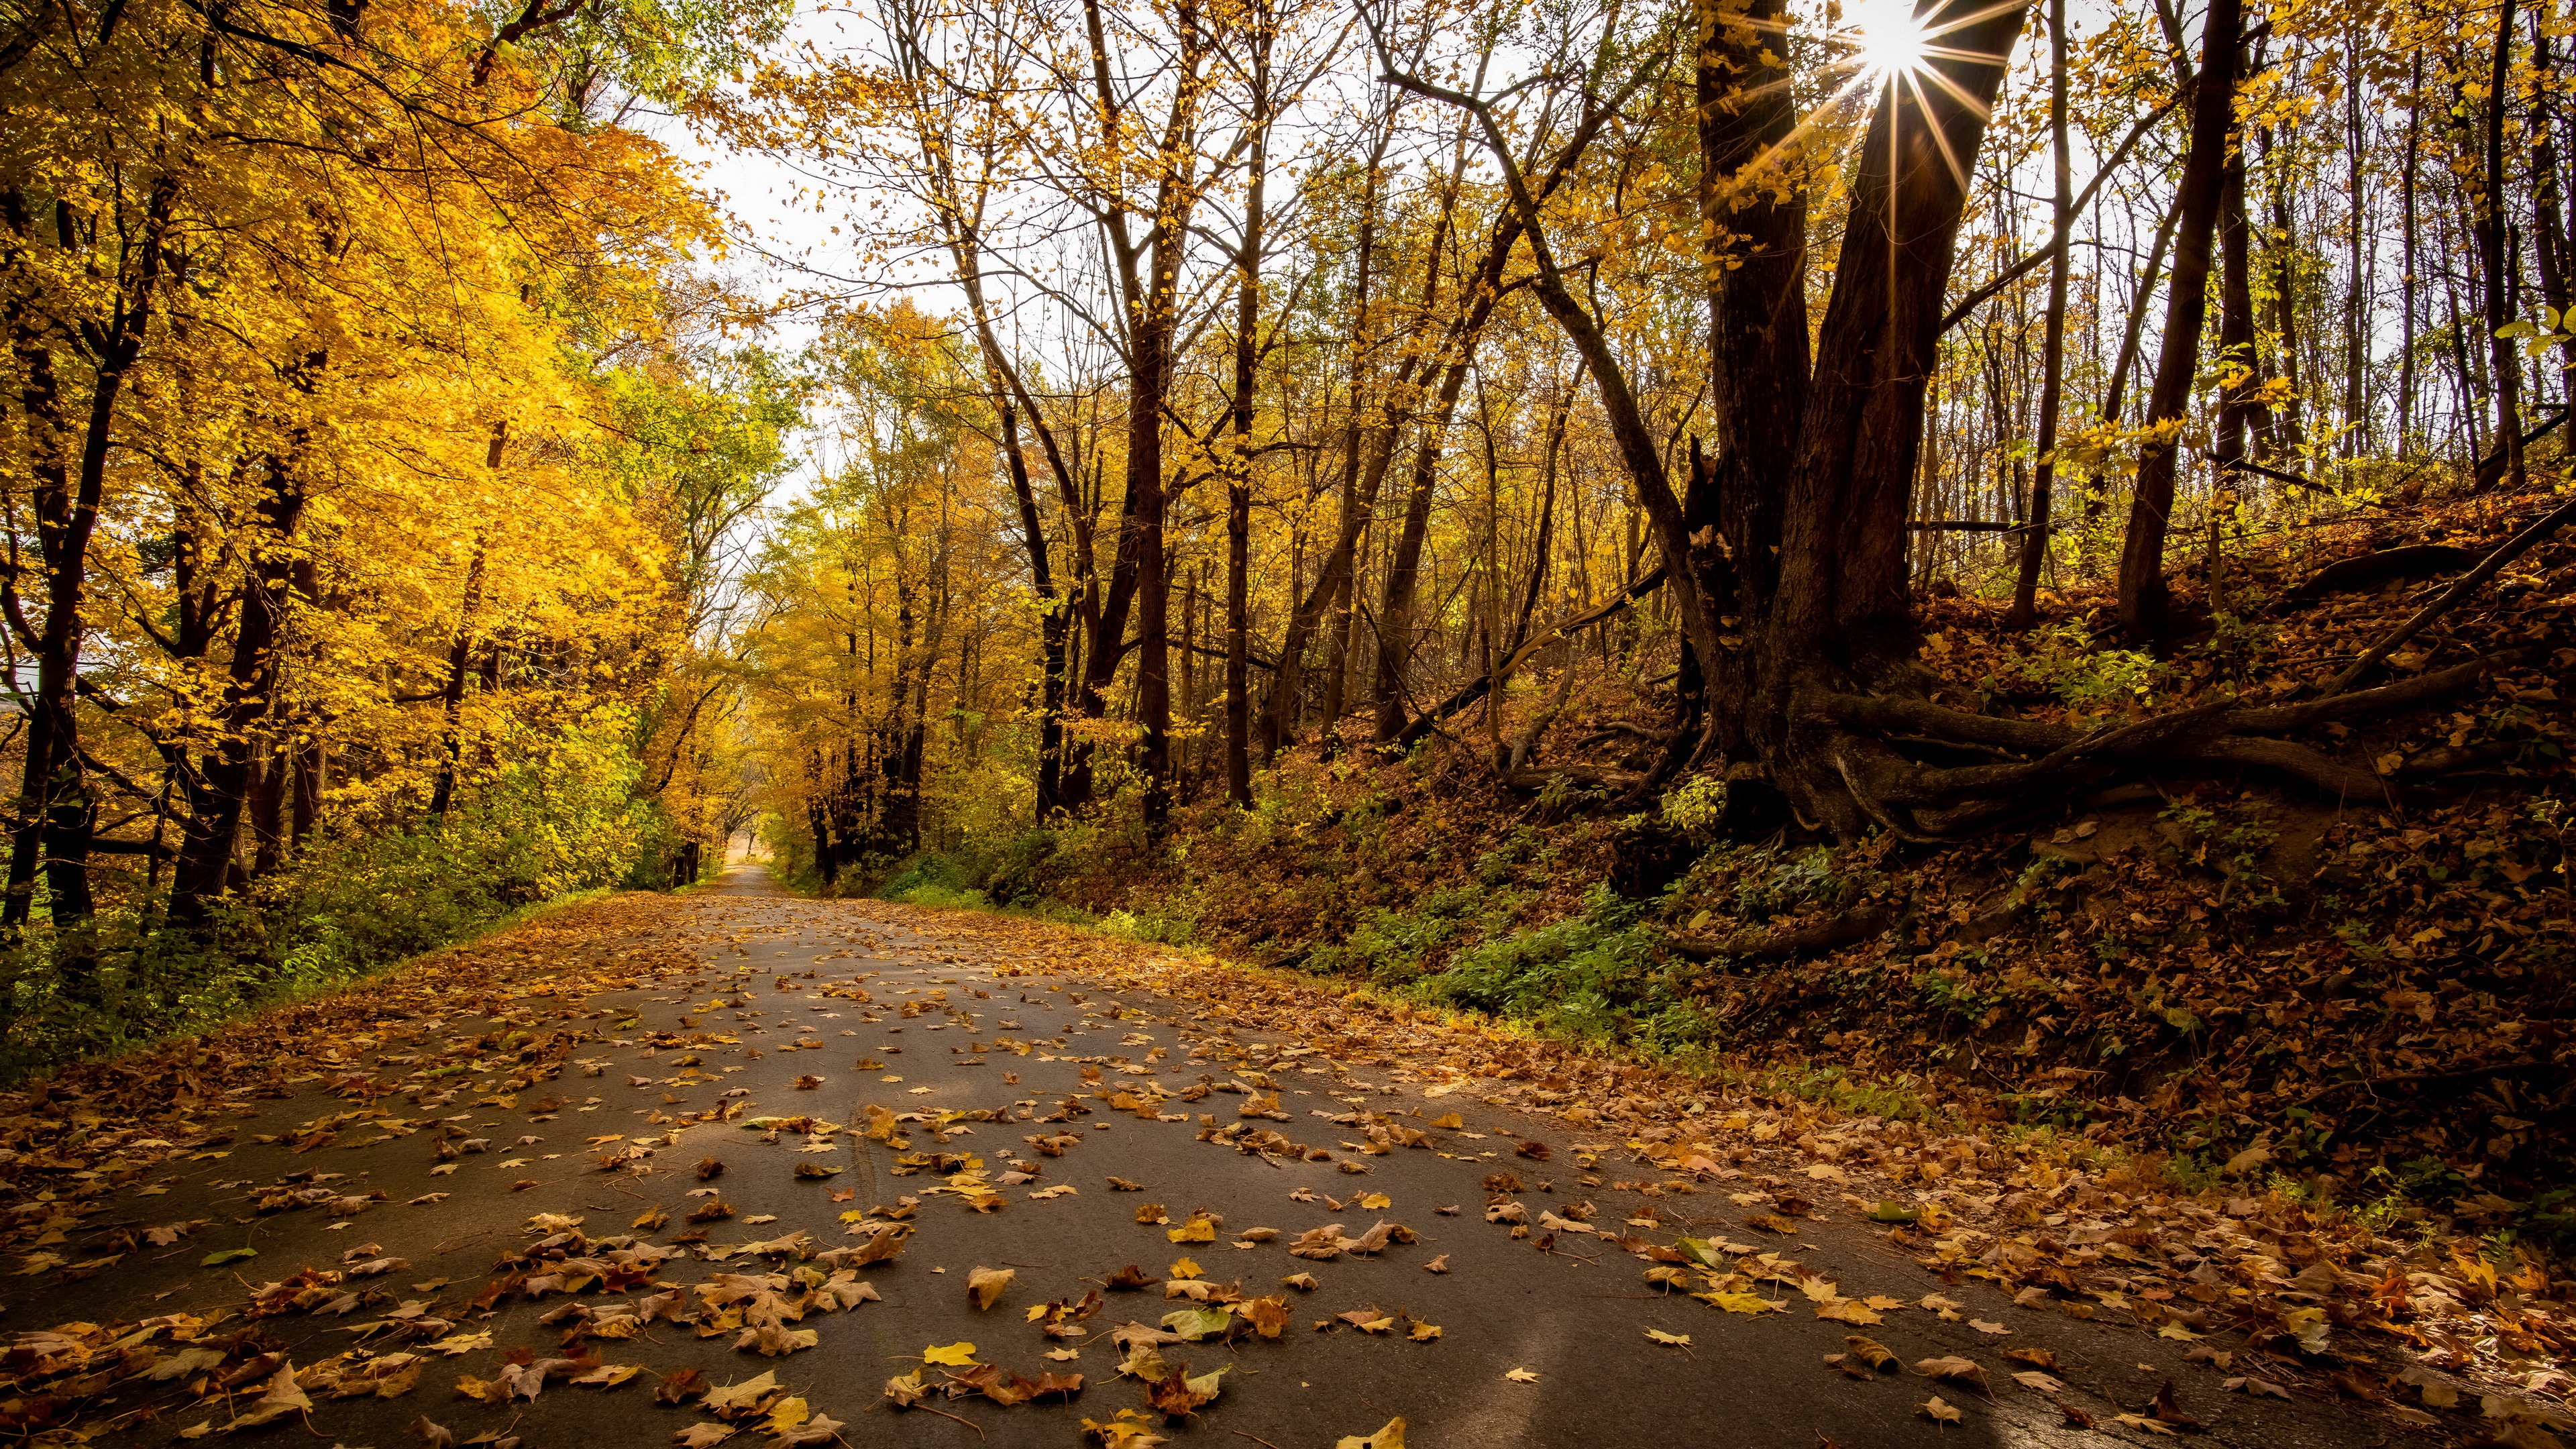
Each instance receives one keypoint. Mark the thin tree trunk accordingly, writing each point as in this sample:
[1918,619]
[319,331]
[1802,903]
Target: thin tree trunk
[222,782]
[451,695]
[2493,256]
[2144,602]
[2408,279]
[2356,310]
[57,813]
[2052,349]
[1238,507]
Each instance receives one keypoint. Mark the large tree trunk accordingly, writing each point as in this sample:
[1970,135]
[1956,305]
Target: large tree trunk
[1729,532]
[1842,613]
[2145,604]
[1837,610]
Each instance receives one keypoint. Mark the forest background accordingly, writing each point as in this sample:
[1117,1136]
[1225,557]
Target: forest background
[2007,549]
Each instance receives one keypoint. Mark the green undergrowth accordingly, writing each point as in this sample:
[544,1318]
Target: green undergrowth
[557,825]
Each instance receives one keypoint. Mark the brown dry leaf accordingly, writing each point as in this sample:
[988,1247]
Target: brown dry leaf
[1389,1437]
[1129,1279]
[880,1247]
[2169,1412]
[735,1401]
[280,1398]
[984,1286]
[1268,1316]
[1870,1351]
[679,1386]
[1957,1369]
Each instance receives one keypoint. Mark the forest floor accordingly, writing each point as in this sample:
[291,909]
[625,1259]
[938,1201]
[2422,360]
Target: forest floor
[1133,1194]
[2369,996]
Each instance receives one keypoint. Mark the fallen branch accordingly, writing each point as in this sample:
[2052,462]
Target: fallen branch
[2506,1069]
[1597,776]
[2247,465]
[2491,468]
[1966,525]
[1474,689]
[2283,718]
[2505,553]
[1843,930]
[1622,727]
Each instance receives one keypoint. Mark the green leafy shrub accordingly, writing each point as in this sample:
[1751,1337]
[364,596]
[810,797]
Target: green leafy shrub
[2067,660]
[556,817]
[1394,946]
[1696,807]
[1588,976]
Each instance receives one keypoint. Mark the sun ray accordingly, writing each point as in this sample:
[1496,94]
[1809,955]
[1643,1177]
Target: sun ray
[1940,138]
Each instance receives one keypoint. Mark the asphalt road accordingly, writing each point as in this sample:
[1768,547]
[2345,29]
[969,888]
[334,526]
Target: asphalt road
[1577,1316]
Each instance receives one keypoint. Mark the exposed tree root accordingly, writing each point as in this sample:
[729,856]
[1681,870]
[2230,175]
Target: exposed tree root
[2040,763]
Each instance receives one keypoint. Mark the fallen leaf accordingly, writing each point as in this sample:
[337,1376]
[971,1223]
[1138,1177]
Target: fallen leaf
[1389,1437]
[1955,1368]
[1870,1351]
[2168,1411]
[984,1286]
